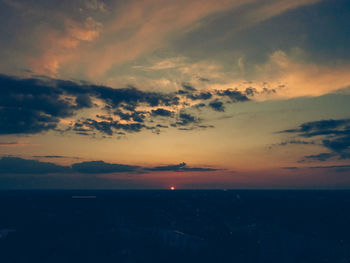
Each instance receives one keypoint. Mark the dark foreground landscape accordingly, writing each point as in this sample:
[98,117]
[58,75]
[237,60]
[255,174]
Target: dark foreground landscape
[175,226]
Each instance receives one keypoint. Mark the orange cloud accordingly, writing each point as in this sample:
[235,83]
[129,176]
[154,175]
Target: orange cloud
[135,28]
[288,77]
[58,46]
[154,21]
[302,79]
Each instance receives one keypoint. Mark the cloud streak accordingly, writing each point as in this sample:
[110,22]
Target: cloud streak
[334,135]
[182,167]
[16,165]
[76,33]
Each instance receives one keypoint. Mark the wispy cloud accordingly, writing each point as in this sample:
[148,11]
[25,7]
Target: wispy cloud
[85,42]
[59,46]
[301,78]
[334,135]
[16,144]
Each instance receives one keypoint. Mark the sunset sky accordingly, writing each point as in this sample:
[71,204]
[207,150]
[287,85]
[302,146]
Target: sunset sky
[186,93]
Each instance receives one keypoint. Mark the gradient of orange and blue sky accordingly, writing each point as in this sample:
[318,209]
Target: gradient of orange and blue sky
[155,93]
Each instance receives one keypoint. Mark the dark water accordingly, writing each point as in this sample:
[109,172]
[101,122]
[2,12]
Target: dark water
[175,226]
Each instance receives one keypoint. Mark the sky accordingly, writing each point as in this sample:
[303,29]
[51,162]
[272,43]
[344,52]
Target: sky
[195,94]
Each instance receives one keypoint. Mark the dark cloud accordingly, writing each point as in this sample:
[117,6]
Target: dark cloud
[339,144]
[32,105]
[162,112]
[100,167]
[331,167]
[186,129]
[204,79]
[196,169]
[103,117]
[299,142]
[8,143]
[206,126]
[83,133]
[162,126]
[136,116]
[199,105]
[186,119]
[234,95]
[168,167]
[109,127]
[18,120]
[200,96]
[54,157]
[182,167]
[319,157]
[269,91]
[182,92]
[290,168]
[337,168]
[192,94]
[250,91]
[49,156]
[133,96]
[334,135]
[83,101]
[15,165]
[323,127]
[189,122]
[253,91]
[188,87]
[217,105]
[35,105]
